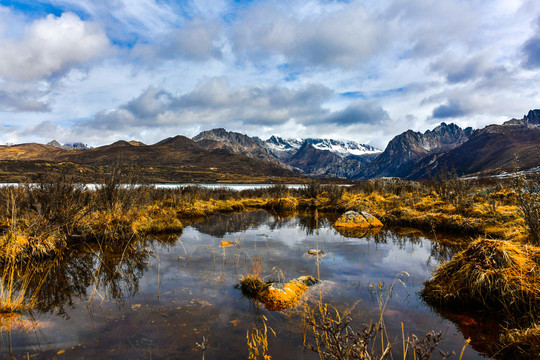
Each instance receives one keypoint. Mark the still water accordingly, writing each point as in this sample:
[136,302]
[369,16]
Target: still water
[156,299]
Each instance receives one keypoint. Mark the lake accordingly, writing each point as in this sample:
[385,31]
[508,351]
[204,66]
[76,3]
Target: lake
[157,298]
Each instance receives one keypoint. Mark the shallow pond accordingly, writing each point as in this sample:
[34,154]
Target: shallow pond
[156,299]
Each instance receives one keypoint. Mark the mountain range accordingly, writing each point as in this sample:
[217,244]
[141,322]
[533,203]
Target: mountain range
[313,157]
[220,155]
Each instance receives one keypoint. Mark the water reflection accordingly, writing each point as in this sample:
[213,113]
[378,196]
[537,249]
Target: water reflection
[105,271]
[157,297]
[220,224]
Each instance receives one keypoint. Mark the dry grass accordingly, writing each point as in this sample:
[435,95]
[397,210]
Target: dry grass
[42,220]
[498,276]
[16,294]
[257,341]
[495,273]
[524,342]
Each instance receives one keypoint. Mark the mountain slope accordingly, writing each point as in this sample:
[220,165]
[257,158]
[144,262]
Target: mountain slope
[233,142]
[411,146]
[29,151]
[323,163]
[488,151]
[322,158]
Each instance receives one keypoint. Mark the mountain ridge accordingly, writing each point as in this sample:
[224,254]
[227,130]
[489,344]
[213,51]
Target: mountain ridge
[411,154]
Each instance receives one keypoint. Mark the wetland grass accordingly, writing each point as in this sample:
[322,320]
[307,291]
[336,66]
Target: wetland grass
[490,273]
[496,276]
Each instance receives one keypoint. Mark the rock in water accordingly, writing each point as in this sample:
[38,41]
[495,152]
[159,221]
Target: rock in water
[277,296]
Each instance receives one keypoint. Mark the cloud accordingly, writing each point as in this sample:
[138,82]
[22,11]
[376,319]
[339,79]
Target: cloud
[22,99]
[51,46]
[345,37]
[157,113]
[196,41]
[429,27]
[99,71]
[463,69]
[361,112]
[451,110]
[210,104]
[531,49]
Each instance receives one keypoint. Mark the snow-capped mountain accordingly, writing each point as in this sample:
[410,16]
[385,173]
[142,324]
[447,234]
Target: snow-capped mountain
[70,146]
[342,148]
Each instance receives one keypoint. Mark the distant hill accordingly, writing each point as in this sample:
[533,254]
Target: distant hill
[72,146]
[176,159]
[323,163]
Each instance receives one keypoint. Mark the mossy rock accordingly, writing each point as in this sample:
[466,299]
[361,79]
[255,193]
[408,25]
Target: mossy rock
[274,295]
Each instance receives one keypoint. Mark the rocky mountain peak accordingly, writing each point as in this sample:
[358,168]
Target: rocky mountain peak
[72,146]
[235,143]
[533,117]
[55,143]
[411,146]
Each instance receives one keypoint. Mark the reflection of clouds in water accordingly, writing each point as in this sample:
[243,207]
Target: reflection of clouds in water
[283,249]
[192,282]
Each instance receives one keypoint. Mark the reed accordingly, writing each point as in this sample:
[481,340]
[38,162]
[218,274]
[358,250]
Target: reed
[16,293]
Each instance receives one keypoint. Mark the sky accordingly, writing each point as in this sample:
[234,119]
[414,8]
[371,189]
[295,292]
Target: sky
[97,71]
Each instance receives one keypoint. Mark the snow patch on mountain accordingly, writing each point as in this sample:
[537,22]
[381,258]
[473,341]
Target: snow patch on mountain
[342,148]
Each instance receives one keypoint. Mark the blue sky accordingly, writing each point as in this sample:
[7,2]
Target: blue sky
[96,71]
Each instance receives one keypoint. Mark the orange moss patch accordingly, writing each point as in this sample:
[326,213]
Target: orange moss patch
[357,232]
[282,204]
[276,296]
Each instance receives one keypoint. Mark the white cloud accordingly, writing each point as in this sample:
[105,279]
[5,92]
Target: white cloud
[51,46]
[345,37]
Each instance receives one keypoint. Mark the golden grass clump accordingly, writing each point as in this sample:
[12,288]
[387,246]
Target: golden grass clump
[282,204]
[353,219]
[114,224]
[156,221]
[19,244]
[525,342]
[16,294]
[495,273]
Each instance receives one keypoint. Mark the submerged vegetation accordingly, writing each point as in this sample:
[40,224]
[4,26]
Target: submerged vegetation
[42,221]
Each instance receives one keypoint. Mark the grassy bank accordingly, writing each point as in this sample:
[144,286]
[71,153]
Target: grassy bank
[41,219]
